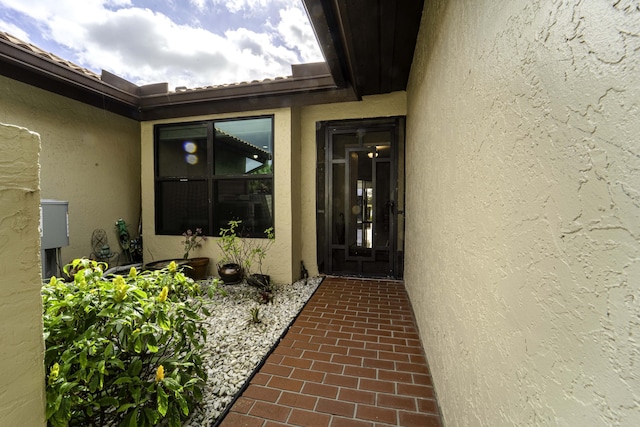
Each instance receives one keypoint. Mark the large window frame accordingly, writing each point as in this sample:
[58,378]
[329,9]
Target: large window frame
[209,172]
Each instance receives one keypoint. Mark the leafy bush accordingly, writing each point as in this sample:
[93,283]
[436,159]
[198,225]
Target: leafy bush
[122,350]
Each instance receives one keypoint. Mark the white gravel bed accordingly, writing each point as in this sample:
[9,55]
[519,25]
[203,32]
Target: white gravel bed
[236,345]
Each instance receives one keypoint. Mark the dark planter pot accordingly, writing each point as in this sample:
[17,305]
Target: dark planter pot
[199,267]
[230,273]
[259,280]
[195,268]
[164,263]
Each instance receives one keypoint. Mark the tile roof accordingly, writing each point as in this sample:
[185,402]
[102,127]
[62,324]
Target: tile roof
[310,83]
[63,62]
[47,55]
[225,85]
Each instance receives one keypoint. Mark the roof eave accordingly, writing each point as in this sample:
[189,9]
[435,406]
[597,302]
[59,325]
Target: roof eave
[326,28]
[310,84]
[25,66]
[368,45]
[246,97]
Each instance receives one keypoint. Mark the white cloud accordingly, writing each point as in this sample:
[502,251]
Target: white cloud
[235,6]
[146,46]
[199,4]
[297,33]
[15,31]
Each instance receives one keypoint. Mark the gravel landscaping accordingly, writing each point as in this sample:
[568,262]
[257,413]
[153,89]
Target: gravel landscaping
[236,345]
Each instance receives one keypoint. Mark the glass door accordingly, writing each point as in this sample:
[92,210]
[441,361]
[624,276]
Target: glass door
[358,215]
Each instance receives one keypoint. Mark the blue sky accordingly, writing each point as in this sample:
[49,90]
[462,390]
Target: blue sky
[190,43]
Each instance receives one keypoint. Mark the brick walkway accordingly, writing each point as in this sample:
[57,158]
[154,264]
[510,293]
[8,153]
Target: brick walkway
[351,359]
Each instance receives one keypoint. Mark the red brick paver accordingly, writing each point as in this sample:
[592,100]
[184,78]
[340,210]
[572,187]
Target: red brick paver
[352,358]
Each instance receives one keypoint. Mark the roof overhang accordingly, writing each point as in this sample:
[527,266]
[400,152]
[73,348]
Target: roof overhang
[22,64]
[368,48]
[309,84]
[368,44]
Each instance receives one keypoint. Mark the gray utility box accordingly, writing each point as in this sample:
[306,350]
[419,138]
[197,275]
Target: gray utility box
[54,234]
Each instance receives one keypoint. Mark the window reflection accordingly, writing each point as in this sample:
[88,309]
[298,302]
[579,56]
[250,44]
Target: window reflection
[183,151]
[210,172]
[243,147]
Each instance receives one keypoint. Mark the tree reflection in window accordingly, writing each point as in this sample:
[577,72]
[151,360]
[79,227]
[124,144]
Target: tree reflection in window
[231,159]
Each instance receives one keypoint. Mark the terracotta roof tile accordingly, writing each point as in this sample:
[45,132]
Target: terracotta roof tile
[48,55]
[60,61]
[228,85]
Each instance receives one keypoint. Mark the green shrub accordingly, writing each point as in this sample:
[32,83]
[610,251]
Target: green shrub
[122,350]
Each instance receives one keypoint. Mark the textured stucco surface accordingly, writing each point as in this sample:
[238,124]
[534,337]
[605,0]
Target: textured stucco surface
[279,260]
[294,182]
[523,210]
[21,343]
[89,157]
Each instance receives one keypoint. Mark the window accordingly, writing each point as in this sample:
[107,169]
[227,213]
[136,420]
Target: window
[208,173]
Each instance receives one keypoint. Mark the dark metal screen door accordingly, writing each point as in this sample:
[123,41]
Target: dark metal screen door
[358,194]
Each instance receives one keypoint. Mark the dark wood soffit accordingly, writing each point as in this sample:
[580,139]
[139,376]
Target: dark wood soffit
[325,25]
[373,40]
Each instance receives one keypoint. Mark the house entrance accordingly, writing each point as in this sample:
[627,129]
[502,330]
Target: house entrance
[360,189]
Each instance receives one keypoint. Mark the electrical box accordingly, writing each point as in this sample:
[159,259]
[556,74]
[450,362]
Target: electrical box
[54,224]
[54,234]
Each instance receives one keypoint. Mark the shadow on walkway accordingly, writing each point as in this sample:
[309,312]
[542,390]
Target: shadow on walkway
[351,358]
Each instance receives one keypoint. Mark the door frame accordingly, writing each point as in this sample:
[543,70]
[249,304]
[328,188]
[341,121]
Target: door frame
[324,189]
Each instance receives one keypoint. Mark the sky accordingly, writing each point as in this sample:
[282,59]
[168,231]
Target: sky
[191,43]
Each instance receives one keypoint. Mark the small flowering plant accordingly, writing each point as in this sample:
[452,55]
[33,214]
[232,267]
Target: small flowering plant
[160,374]
[192,240]
[122,350]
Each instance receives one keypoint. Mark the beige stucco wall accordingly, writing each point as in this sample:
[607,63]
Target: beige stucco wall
[294,182]
[278,262]
[296,194]
[523,210]
[22,398]
[89,157]
[393,104]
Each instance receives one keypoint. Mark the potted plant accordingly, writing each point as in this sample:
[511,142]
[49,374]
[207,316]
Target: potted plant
[242,257]
[198,265]
[230,266]
[255,253]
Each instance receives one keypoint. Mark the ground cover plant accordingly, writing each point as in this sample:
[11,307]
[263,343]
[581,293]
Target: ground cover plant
[123,350]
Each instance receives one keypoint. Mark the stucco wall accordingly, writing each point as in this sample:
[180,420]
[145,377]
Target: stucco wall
[294,182]
[523,210]
[388,105]
[21,344]
[89,157]
[278,262]
[296,194]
